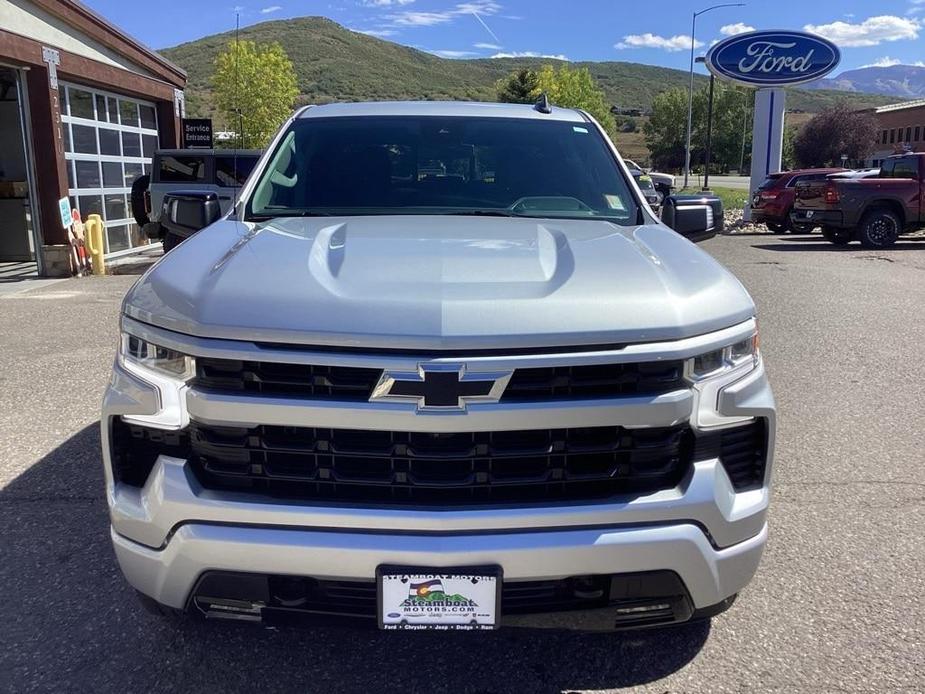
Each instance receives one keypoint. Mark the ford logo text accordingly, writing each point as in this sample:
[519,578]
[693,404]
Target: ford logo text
[773,58]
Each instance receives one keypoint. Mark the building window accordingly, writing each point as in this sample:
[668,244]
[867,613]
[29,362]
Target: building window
[883,138]
[917,133]
[909,134]
[109,142]
[892,135]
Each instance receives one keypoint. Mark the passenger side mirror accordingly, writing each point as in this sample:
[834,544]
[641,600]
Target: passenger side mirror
[186,212]
[696,217]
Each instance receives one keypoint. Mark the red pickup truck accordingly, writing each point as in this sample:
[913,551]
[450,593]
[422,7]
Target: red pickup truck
[874,211]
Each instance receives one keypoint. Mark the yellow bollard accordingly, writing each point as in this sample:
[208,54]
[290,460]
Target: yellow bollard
[93,228]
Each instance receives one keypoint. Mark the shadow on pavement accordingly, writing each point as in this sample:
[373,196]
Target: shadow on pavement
[814,244]
[74,624]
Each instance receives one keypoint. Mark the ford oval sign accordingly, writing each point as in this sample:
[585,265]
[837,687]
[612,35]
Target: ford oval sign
[773,58]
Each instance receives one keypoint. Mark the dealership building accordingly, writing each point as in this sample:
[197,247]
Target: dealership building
[83,106]
[901,128]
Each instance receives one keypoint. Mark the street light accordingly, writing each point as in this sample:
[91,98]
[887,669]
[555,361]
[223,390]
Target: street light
[690,94]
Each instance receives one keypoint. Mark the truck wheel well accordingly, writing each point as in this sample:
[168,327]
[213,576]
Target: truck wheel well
[890,205]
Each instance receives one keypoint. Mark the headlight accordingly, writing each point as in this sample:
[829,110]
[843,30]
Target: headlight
[166,371]
[153,357]
[713,371]
[741,355]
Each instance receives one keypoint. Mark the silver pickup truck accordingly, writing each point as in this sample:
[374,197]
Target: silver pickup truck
[493,391]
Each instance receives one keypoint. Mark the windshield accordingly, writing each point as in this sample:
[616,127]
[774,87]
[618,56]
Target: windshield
[432,165]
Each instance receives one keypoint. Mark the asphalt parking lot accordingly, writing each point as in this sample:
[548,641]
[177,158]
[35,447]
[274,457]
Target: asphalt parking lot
[837,604]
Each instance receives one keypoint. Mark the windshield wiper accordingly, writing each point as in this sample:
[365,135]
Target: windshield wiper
[288,213]
[484,213]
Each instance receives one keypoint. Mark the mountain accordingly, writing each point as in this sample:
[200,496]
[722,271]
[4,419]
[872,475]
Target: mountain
[334,63]
[898,81]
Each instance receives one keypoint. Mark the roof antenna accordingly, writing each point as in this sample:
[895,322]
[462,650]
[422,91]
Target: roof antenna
[542,104]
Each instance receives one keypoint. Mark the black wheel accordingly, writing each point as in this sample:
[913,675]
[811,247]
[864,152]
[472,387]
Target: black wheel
[140,200]
[802,228]
[171,241]
[879,228]
[777,228]
[840,237]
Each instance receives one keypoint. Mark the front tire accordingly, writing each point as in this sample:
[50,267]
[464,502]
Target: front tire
[802,228]
[879,228]
[840,237]
[139,200]
[777,228]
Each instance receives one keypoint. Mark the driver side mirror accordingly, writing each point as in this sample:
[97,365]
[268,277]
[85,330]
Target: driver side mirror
[696,217]
[186,212]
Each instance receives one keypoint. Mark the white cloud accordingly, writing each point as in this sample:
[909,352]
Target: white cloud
[665,43]
[488,46]
[384,3]
[412,18]
[871,32]
[529,54]
[379,33]
[887,61]
[733,29]
[271,9]
[452,54]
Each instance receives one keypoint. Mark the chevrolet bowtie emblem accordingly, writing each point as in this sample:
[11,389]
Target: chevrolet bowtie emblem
[440,386]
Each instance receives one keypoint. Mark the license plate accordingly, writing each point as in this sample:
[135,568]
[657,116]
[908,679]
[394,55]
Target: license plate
[465,599]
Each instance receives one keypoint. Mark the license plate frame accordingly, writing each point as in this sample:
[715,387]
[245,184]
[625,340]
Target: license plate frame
[397,617]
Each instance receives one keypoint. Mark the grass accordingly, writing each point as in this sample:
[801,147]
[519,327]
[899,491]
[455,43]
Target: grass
[732,199]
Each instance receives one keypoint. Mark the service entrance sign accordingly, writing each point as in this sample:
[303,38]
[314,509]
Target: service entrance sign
[768,61]
[197,133]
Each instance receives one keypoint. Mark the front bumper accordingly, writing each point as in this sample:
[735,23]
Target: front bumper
[171,532]
[169,575]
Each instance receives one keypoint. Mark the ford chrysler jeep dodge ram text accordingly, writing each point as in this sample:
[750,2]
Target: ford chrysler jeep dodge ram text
[440,367]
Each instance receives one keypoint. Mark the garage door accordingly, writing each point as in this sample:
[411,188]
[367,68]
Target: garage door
[109,140]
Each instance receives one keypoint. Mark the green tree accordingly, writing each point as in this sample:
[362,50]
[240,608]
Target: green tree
[571,88]
[576,88]
[666,131]
[255,90]
[519,87]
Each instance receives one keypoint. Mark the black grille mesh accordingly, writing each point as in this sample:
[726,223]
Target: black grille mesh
[351,383]
[423,468]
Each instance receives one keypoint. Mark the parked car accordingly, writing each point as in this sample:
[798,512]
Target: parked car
[221,171]
[874,211]
[664,183]
[647,188]
[773,201]
[507,396]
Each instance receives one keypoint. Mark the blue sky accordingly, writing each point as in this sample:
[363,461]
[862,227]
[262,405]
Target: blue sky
[868,31]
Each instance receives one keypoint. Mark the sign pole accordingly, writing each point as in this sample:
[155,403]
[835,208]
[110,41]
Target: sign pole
[767,139]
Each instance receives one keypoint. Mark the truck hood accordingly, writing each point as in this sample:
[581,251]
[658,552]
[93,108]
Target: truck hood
[438,282]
